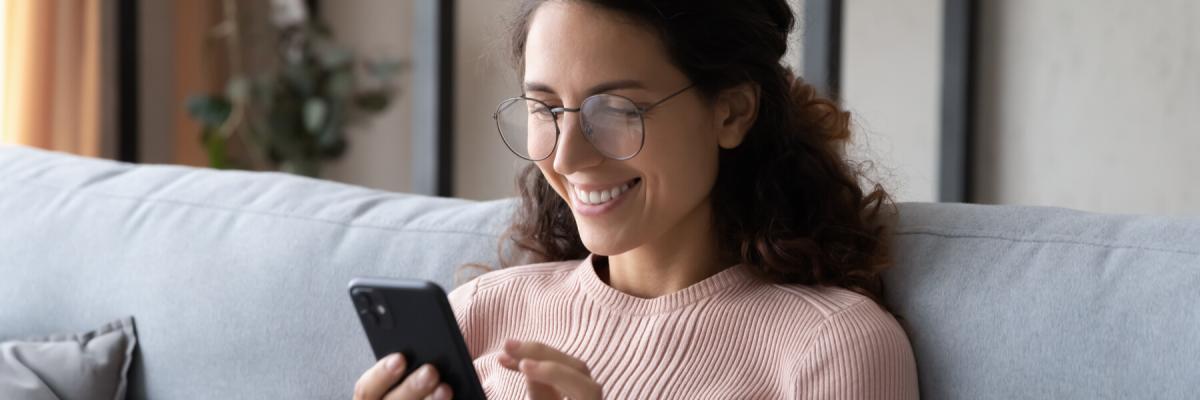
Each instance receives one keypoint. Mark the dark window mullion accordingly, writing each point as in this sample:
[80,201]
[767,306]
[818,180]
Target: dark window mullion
[957,112]
[823,46]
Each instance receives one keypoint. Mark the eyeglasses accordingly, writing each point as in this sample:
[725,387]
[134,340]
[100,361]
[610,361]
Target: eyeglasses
[613,124]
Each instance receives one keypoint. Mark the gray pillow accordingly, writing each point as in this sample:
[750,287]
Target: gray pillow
[90,365]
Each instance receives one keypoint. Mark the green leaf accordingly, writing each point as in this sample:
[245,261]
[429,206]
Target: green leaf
[210,111]
[373,100]
[331,146]
[331,55]
[341,83]
[214,146]
[315,113]
[300,78]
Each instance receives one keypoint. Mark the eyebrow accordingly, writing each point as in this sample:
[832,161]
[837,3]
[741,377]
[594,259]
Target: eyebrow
[534,86]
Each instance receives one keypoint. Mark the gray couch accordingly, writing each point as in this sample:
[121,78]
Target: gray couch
[237,280]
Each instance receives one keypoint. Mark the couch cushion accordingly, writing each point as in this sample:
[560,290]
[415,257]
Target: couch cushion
[1022,302]
[237,280]
[84,366]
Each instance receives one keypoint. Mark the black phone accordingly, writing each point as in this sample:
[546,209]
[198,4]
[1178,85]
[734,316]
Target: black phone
[414,318]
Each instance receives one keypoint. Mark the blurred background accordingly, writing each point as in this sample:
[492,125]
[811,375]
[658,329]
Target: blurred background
[1086,104]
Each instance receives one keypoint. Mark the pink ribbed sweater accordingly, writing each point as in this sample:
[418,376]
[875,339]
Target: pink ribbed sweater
[730,336]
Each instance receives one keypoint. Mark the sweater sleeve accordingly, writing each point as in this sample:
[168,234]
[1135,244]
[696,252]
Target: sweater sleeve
[858,353]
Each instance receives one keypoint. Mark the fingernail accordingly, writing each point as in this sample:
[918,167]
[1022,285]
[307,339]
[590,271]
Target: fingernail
[442,393]
[528,364]
[425,375]
[393,362]
[511,345]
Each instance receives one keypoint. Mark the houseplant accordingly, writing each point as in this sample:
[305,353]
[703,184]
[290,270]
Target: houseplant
[291,116]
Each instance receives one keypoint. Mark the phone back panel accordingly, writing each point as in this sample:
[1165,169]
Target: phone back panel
[413,317]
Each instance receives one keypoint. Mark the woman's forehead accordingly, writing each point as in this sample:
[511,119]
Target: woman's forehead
[572,46]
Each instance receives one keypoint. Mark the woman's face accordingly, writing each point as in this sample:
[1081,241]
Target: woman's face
[576,50]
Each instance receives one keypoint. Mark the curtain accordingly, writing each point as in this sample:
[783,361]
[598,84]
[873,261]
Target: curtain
[50,74]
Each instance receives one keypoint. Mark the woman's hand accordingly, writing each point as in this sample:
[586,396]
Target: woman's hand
[550,374]
[374,384]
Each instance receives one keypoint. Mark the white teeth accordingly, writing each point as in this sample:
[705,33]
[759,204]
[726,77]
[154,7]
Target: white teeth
[600,196]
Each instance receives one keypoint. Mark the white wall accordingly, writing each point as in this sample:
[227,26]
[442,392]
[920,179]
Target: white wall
[1081,104]
[378,155]
[1091,104]
[891,75]
[483,167]
[795,52]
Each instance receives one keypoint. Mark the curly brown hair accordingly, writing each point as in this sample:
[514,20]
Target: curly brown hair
[787,202]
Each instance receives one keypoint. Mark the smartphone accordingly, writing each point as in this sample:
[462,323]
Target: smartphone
[414,318]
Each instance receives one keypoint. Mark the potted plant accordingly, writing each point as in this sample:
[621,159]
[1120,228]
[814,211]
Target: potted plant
[293,116]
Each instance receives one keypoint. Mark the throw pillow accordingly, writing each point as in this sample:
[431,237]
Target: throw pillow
[89,365]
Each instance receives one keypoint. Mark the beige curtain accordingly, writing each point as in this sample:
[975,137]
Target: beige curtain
[51,74]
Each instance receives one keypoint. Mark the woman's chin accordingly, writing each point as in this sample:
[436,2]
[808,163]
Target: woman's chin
[603,243]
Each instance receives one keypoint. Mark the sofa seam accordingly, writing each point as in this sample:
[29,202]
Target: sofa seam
[978,235]
[153,200]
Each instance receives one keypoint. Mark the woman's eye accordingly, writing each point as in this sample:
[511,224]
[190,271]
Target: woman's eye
[541,112]
[617,111]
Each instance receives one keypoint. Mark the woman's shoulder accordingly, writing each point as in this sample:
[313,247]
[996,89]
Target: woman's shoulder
[825,309]
[857,347]
[826,301]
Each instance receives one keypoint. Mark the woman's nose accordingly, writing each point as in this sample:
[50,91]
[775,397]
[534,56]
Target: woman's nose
[574,152]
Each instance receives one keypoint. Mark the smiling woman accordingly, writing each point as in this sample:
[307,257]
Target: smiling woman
[698,231]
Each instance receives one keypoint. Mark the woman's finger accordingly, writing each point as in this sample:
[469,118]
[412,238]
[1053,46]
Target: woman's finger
[416,385]
[519,350]
[542,391]
[442,392]
[564,379]
[508,362]
[375,382]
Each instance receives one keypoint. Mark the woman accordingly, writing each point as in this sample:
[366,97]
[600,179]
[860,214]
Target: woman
[727,249]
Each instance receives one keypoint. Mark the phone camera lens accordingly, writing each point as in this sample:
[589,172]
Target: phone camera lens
[380,309]
[361,302]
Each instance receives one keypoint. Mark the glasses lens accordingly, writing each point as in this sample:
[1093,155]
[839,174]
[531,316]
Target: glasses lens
[527,127]
[613,125]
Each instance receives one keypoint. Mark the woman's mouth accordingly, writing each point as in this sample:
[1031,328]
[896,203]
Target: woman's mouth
[592,201]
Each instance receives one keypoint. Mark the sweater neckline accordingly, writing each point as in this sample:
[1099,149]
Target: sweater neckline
[729,278]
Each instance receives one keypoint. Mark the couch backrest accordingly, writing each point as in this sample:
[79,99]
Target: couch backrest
[1024,302]
[237,281]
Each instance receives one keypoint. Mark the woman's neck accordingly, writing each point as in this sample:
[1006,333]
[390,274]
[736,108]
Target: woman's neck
[680,257]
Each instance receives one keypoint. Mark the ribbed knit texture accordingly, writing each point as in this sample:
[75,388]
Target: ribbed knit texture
[730,336]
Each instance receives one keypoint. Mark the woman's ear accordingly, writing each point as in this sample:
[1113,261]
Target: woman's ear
[737,109]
